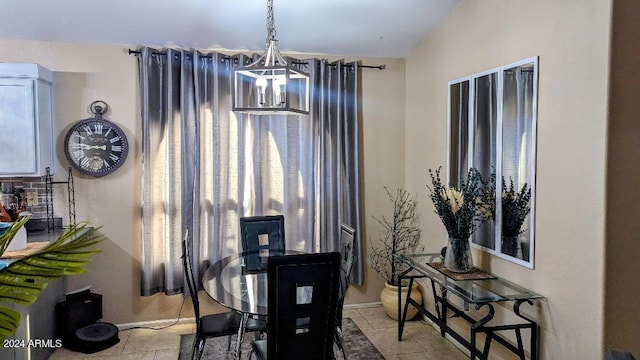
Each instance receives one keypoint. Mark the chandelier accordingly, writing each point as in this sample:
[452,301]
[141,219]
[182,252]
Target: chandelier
[270,85]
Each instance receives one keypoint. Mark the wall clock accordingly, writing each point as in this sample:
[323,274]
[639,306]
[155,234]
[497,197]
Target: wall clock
[96,146]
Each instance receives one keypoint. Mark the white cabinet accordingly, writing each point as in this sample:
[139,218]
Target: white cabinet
[26,120]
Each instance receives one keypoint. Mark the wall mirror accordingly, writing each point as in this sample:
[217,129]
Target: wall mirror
[492,127]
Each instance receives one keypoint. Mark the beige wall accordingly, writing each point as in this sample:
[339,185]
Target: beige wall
[85,73]
[571,39]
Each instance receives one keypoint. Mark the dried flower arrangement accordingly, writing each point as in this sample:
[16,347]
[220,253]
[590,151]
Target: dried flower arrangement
[461,210]
[515,205]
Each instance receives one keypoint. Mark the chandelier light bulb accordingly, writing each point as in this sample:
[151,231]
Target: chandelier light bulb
[261,84]
[279,85]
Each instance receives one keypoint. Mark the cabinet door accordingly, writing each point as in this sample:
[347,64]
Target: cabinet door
[25,127]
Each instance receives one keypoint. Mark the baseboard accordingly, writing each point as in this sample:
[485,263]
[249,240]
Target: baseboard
[155,323]
[361,305]
[167,322]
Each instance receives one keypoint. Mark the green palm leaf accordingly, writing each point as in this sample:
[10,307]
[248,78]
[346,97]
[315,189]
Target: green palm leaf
[9,321]
[7,236]
[22,281]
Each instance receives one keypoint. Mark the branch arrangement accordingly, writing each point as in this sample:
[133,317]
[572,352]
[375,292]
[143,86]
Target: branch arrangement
[401,235]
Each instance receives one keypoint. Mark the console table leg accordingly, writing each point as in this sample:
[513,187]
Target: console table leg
[487,345]
[534,342]
[402,315]
[532,325]
[443,313]
[520,346]
[478,326]
[437,300]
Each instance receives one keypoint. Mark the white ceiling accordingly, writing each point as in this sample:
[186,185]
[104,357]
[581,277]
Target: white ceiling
[362,28]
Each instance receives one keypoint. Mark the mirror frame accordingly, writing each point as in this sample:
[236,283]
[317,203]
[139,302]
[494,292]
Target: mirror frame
[453,136]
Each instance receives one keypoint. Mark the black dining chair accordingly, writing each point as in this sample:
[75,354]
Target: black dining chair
[347,236]
[302,289]
[261,236]
[211,325]
[614,354]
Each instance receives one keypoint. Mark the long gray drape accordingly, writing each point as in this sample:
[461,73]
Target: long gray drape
[205,166]
[485,143]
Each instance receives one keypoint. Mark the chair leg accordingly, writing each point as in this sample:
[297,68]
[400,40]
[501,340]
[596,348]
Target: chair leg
[340,343]
[228,342]
[198,348]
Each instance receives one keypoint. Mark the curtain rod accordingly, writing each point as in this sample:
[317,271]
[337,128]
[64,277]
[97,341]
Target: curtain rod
[136,52]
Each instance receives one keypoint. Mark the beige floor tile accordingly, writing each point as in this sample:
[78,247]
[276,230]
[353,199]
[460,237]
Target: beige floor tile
[141,345]
[430,339]
[357,318]
[378,319]
[420,341]
[112,351]
[143,355]
[64,354]
[167,354]
[446,355]
[386,341]
[151,340]
[414,356]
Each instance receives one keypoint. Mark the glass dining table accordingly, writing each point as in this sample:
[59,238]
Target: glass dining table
[234,283]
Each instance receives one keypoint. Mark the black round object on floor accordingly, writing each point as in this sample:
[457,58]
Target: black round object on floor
[93,338]
[97,332]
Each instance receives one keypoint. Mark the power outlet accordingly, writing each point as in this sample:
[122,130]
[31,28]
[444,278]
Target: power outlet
[32,198]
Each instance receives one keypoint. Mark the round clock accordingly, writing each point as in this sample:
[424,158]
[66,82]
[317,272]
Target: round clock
[96,146]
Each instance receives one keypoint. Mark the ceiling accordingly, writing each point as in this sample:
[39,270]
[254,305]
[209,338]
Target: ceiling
[360,28]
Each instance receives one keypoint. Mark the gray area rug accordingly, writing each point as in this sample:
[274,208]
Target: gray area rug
[357,346]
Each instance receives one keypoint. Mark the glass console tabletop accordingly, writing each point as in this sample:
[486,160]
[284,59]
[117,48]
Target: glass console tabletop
[471,291]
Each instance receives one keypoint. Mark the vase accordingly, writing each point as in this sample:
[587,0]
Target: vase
[389,300]
[457,257]
[511,246]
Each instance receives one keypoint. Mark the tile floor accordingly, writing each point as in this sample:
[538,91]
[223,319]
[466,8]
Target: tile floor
[420,340]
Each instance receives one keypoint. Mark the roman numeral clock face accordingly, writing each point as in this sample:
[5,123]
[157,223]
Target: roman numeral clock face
[96,147]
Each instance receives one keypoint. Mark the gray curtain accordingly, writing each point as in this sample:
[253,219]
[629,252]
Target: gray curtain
[336,111]
[459,132]
[205,166]
[485,144]
[517,136]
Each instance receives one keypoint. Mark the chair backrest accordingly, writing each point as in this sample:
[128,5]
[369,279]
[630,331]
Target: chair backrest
[187,263]
[347,235]
[261,237]
[303,289]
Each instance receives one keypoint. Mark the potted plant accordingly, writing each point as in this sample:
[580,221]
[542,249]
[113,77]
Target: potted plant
[400,235]
[462,210]
[22,280]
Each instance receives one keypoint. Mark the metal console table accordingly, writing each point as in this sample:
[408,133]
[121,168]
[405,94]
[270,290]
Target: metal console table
[481,293]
